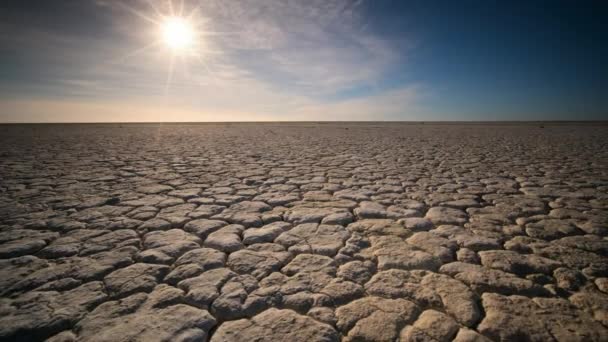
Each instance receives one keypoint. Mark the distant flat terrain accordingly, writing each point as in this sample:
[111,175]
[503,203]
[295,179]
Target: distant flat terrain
[304,232]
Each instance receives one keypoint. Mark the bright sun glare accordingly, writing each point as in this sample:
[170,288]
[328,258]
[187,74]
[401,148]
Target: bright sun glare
[182,32]
[178,34]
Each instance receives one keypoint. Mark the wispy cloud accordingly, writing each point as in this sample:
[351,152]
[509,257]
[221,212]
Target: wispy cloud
[316,47]
[270,60]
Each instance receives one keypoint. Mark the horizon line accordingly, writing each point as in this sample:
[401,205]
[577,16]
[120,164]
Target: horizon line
[308,121]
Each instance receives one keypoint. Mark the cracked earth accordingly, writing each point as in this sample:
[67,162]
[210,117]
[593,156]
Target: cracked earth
[304,232]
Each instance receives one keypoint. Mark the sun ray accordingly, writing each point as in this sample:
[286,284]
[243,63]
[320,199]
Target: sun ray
[154,8]
[192,13]
[169,76]
[139,14]
[171,12]
[184,33]
[214,79]
[134,53]
[181,8]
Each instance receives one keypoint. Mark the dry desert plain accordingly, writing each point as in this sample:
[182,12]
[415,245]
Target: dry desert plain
[304,232]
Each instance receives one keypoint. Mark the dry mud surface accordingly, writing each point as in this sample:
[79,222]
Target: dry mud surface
[304,232]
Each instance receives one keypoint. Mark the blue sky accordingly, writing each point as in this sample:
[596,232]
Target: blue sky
[101,60]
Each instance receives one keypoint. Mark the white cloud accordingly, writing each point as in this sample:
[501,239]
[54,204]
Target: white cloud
[317,47]
[267,60]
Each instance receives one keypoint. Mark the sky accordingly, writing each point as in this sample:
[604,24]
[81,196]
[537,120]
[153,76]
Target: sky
[303,60]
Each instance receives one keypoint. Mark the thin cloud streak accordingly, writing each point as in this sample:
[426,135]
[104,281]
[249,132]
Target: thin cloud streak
[316,47]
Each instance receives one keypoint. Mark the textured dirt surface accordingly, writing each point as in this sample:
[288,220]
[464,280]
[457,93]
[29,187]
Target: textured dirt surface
[304,232]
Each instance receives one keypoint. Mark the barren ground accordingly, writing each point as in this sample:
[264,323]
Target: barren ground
[304,232]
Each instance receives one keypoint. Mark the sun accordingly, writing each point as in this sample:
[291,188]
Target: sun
[182,35]
[178,34]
